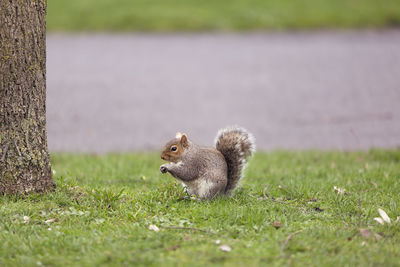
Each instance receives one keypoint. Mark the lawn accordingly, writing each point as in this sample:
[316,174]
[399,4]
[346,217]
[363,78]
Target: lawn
[285,213]
[219,15]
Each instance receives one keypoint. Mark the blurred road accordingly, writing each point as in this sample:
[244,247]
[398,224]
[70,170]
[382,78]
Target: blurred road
[325,90]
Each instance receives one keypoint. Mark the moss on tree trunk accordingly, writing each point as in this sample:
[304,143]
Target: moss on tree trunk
[24,158]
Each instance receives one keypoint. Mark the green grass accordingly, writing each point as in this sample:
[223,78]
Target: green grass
[219,15]
[103,207]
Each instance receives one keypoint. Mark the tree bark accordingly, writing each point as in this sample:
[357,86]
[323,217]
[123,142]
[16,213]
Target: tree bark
[24,158]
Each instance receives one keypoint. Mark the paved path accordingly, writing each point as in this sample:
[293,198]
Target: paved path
[336,90]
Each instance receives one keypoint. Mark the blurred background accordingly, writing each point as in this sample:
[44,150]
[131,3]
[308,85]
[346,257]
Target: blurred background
[126,75]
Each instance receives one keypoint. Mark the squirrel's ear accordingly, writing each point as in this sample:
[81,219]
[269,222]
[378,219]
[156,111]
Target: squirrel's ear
[184,140]
[178,135]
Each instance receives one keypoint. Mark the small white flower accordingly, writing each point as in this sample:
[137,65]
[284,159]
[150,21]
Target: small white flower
[154,228]
[225,248]
[49,228]
[26,219]
[217,242]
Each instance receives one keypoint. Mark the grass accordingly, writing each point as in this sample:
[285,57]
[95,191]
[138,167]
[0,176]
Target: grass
[103,207]
[219,15]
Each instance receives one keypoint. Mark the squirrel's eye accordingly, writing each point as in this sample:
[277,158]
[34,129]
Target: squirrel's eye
[174,148]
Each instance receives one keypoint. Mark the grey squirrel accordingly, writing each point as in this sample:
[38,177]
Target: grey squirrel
[206,171]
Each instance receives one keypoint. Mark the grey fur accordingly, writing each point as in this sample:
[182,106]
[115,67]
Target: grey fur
[207,171]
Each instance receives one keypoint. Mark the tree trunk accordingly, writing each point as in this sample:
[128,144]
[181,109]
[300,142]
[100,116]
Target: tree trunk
[24,158]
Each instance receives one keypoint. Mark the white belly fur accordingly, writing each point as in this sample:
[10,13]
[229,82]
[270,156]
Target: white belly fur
[200,188]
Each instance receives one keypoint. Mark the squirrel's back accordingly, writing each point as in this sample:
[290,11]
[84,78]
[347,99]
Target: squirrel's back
[236,145]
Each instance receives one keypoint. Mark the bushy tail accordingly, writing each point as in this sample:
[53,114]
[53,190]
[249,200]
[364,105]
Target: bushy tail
[237,145]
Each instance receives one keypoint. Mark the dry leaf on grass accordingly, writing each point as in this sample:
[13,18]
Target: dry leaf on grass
[225,248]
[384,215]
[366,166]
[173,248]
[50,220]
[318,209]
[276,224]
[154,228]
[379,220]
[338,190]
[365,232]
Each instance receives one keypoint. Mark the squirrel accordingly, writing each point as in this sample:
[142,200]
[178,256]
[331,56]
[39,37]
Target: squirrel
[206,171]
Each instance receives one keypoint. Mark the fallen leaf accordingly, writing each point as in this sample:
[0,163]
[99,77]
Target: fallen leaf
[378,236]
[276,224]
[366,166]
[339,190]
[384,215]
[379,220]
[99,220]
[173,248]
[318,209]
[50,220]
[374,184]
[154,228]
[365,232]
[225,248]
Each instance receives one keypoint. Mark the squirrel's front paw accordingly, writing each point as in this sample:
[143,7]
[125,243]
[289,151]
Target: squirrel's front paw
[163,169]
